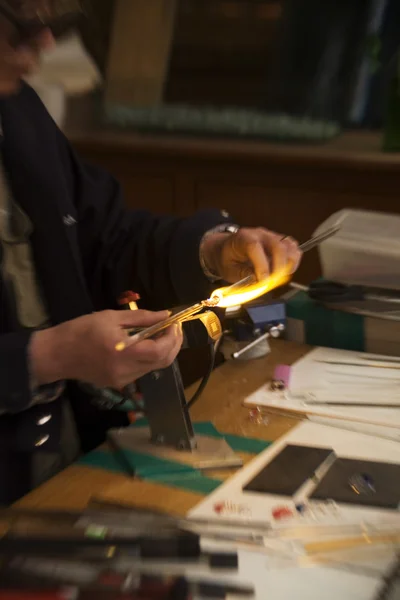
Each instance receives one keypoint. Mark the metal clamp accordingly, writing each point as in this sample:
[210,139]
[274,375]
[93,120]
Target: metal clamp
[274,332]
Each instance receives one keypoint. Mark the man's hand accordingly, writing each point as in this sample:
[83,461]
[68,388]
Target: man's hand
[259,251]
[84,349]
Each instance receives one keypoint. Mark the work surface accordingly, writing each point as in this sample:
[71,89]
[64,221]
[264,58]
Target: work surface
[221,403]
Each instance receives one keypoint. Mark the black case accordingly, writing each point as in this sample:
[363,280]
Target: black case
[289,470]
[336,484]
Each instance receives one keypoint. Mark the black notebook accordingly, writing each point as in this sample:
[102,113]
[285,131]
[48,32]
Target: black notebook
[361,482]
[289,470]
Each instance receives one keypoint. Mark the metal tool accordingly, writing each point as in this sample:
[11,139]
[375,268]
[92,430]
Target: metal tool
[274,332]
[331,292]
[318,239]
[150,332]
[185,314]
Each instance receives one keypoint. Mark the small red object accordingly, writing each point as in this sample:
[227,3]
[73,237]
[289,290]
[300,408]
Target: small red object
[128,297]
[132,417]
[219,507]
[282,512]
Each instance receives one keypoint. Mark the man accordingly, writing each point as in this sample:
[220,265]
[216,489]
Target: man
[69,248]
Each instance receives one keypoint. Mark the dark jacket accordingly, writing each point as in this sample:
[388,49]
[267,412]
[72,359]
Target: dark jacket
[87,249]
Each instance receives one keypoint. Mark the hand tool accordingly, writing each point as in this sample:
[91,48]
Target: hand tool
[214,300]
[305,247]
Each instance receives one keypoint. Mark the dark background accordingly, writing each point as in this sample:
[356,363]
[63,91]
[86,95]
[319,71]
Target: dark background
[303,57]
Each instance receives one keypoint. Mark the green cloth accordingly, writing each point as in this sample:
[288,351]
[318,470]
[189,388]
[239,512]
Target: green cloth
[172,473]
[181,476]
[238,443]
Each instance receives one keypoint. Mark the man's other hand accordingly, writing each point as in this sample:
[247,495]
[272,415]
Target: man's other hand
[85,349]
[251,250]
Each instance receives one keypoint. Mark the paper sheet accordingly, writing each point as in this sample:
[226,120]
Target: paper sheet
[312,380]
[346,444]
[305,583]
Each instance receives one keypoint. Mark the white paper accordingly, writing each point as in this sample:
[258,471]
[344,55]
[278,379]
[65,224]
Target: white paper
[345,444]
[313,380]
[276,579]
[387,433]
[311,372]
[314,583]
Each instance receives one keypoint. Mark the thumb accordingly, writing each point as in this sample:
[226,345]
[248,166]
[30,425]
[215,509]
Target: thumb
[140,318]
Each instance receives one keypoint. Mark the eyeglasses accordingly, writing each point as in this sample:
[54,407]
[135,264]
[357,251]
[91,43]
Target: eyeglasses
[29,17]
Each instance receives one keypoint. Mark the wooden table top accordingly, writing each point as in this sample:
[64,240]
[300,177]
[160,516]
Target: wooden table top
[221,403]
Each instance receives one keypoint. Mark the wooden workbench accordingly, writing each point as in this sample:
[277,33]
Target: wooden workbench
[221,403]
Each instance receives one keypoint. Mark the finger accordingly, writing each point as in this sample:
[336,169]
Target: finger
[264,249]
[169,359]
[171,347]
[140,318]
[294,254]
[156,350]
[267,254]
[255,251]
[149,360]
[277,249]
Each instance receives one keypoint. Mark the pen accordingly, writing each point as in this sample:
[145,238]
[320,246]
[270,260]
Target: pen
[109,588]
[131,520]
[214,590]
[43,581]
[31,572]
[179,545]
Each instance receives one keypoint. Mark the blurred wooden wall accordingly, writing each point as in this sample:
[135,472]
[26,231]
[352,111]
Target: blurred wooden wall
[222,52]
[216,52]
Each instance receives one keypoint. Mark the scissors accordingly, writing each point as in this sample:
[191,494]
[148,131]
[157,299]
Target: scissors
[330,292]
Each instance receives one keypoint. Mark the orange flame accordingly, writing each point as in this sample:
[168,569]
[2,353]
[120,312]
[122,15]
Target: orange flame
[225,298]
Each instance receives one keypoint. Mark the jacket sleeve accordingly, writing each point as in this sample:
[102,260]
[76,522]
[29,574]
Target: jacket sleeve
[122,249]
[17,393]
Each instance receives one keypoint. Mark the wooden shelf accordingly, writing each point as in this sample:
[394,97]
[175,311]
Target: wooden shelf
[287,188]
[352,150]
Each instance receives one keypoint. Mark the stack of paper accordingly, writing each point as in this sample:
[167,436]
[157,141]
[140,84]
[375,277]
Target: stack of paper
[282,566]
[346,386]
